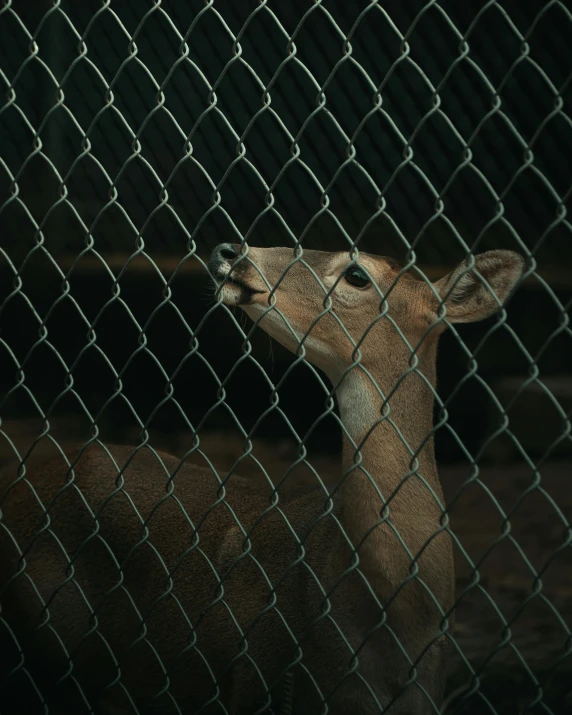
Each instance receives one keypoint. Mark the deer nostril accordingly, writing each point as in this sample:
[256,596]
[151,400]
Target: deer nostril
[222,256]
[228,252]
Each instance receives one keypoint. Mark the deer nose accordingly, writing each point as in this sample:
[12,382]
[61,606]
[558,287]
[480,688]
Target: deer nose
[221,259]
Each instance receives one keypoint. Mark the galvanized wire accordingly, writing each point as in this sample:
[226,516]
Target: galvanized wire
[161,184]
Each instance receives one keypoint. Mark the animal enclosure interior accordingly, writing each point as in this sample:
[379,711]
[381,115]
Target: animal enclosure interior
[136,137]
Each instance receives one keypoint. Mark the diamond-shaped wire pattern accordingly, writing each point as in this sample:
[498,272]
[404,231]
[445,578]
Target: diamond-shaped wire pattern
[136,138]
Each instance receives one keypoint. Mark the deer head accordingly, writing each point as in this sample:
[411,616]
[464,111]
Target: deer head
[333,304]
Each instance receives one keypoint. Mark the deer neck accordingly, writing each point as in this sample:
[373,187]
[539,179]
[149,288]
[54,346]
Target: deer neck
[385,469]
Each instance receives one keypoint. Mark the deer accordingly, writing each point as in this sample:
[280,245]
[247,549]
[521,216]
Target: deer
[131,581]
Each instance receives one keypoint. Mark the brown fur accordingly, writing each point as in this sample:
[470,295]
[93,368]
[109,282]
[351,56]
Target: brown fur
[147,542]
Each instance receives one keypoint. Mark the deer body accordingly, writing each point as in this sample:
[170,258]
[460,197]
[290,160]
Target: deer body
[178,596]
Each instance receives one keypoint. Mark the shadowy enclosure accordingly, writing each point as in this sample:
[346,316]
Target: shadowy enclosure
[136,137]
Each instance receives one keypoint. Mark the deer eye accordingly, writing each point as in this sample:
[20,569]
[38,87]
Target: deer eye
[356,277]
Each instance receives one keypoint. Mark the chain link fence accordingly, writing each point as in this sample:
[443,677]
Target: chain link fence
[136,138]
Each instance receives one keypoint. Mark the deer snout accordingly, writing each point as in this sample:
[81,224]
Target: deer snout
[222,259]
[238,283]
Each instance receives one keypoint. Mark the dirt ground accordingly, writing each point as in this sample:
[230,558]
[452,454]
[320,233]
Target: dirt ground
[516,616]
[513,561]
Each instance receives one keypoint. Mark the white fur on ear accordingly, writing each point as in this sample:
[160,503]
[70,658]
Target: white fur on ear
[479,292]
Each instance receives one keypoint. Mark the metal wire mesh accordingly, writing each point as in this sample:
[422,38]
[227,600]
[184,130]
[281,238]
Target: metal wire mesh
[139,130]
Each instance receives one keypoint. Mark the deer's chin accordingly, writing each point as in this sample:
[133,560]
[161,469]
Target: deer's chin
[231,294]
[316,351]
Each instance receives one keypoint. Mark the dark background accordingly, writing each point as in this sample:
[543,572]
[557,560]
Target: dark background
[500,99]
[149,130]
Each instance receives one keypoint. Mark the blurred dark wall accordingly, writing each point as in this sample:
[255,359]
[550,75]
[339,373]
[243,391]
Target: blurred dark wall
[500,94]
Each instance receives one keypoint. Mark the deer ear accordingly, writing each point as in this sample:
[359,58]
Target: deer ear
[477,293]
